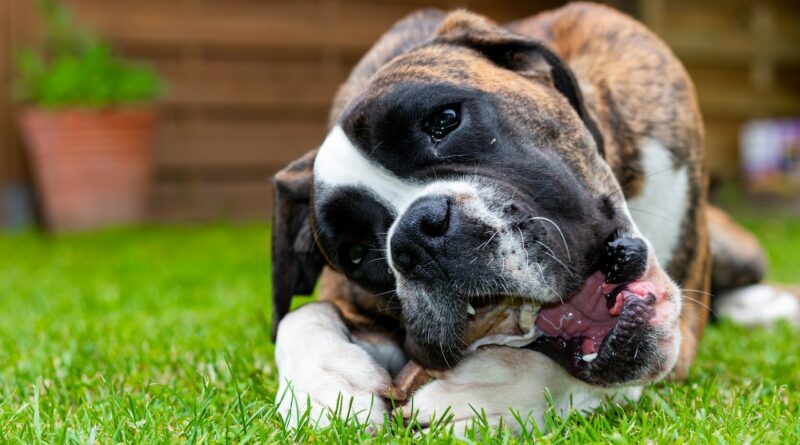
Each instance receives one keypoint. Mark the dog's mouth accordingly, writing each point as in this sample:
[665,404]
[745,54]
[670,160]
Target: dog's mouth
[580,333]
[578,326]
[617,328]
[601,333]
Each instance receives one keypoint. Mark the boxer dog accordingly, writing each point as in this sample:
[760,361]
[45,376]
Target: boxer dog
[556,160]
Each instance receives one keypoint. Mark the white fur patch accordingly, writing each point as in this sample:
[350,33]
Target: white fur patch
[498,380]
[759,304]
[660,207]
[340,163]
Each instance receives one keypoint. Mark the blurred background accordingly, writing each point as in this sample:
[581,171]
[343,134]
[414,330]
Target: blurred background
[238,88]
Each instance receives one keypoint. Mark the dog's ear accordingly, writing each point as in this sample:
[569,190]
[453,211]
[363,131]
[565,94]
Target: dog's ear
[296,259]
[518,53]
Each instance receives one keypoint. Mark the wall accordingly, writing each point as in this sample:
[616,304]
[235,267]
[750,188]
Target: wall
[250,81]
[744,57]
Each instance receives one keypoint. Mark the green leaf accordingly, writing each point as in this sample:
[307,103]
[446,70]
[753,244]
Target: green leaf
[77,69]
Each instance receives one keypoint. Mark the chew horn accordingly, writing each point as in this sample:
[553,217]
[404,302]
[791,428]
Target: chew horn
[408,380]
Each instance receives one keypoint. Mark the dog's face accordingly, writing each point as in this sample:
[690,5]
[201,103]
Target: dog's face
[469,171]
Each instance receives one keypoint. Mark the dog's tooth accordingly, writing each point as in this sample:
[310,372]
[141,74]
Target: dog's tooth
[470,309]
[588,358]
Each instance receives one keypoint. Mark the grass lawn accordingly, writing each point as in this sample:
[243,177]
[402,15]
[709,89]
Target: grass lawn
[161,335]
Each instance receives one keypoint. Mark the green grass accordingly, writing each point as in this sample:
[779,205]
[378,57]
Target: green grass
[162,335]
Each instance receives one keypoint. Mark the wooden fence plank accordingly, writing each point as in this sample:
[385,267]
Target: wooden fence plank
[722,147]
[6,125]
[5,109]
[208,201]
[251,84]
[347,26]
[296,24]
[17,24]
[218,143]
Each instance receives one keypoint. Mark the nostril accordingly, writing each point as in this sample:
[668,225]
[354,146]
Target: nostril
[404,261]
[436,219]
[511,209]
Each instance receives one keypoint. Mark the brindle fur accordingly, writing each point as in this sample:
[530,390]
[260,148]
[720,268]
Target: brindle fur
[633,87]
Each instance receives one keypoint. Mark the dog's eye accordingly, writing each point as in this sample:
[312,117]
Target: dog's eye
[356,252]
[442,122]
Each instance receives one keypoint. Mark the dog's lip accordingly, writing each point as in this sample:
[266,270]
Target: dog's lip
[476,304]
[580,333]
[581,349]
[590,315]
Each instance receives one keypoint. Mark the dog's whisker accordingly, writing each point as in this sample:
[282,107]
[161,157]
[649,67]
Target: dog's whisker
[702,304]
[698,291]
[688,318]
[522,240]
[544,283]
[384,293]
[552,255]
[547,187]
[488,241]
[634,209]
[633,181]
[563,239]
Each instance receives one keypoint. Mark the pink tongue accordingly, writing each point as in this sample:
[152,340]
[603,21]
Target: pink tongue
[584,315]
[640,289]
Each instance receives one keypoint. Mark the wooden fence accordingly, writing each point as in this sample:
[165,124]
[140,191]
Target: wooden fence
[250,81]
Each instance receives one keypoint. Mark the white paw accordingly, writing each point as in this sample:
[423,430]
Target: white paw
[759,304]
[322,374]
[317,405]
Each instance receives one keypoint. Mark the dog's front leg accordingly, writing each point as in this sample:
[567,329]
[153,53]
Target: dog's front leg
[322,369]
[502,383]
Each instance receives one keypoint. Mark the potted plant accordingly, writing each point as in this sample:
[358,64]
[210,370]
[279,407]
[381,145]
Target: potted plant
[88,126]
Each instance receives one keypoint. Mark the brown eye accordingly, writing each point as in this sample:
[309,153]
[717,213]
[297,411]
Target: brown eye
[441,123]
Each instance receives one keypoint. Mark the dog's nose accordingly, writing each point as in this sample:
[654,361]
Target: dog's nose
[624,259]
[420,233]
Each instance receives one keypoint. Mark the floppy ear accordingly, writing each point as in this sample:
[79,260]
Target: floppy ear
[296,260]
[518,53]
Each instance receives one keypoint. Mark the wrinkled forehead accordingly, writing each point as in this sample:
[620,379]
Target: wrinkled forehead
[409,87]
[443,64]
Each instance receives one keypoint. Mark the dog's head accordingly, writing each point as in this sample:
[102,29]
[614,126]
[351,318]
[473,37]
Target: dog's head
[469,170]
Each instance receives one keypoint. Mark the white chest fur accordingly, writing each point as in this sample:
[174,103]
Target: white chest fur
[659,208]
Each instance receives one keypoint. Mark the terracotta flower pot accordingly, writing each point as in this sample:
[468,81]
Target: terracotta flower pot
[92,168]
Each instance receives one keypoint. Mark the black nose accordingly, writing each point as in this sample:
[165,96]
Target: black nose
[420,234]
[624,259]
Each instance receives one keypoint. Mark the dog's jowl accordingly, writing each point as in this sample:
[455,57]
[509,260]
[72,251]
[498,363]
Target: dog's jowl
[469,164]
